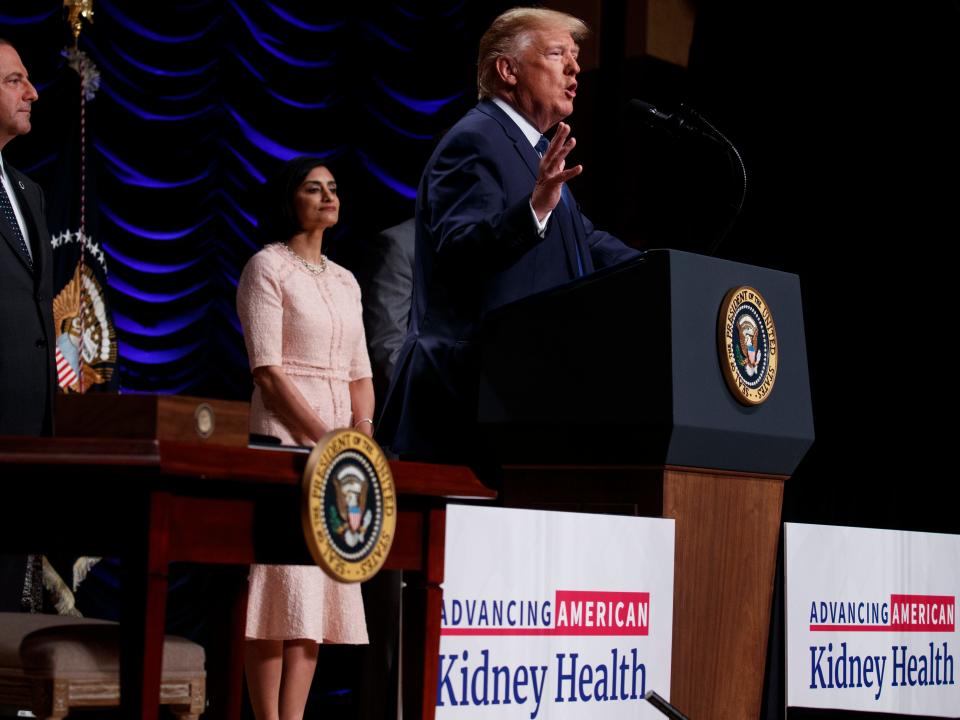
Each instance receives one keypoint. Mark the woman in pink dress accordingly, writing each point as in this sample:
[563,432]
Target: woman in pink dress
[302,325]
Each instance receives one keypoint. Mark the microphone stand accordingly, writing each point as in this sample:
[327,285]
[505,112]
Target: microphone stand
[663,706]
[732,153]
[689,122]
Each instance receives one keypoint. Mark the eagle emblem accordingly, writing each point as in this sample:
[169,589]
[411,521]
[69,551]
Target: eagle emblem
[751,354]
[351,501]
[86,348]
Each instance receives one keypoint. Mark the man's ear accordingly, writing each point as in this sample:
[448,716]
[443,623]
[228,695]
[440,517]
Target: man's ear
[507,70]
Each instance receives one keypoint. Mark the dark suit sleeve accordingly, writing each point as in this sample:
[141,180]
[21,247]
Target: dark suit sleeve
[468,213]
[386,300]
[605,249]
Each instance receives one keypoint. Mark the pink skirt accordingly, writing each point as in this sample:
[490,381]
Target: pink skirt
[291,602]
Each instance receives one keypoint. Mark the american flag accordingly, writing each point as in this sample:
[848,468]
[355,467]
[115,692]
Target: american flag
[65,373]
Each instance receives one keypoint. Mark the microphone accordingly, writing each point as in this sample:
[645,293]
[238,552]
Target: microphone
[679,123]
[689,123]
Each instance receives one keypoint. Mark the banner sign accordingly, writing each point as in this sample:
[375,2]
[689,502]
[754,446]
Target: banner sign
[554,615]
[871,620]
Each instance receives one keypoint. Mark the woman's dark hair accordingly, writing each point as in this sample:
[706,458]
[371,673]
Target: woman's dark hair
[278,215]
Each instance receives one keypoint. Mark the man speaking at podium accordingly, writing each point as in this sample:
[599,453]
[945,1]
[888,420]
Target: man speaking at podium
[495,222]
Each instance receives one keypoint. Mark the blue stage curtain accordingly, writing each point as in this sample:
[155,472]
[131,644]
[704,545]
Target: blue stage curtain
[199,101]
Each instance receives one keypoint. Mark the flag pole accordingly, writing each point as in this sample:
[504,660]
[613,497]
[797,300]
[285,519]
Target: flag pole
[77,12]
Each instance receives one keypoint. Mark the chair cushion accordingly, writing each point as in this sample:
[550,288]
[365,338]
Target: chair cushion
[14,627]
[51,645]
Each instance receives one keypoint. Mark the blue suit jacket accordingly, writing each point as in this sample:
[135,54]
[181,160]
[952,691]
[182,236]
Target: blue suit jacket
[477,248]
[27,370]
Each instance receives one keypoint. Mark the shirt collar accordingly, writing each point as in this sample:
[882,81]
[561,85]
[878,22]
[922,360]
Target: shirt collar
[528,130]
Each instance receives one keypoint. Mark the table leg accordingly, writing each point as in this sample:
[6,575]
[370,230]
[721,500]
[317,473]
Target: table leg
[143,606]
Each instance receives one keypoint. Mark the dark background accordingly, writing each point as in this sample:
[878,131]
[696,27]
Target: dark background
[844,115]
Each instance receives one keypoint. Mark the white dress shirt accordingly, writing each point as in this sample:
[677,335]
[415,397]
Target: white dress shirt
[16,207]
[533,135]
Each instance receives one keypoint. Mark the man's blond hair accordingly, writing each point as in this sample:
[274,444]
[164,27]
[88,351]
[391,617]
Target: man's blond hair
[509,34]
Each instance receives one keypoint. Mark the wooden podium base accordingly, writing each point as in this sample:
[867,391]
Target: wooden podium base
[727,528]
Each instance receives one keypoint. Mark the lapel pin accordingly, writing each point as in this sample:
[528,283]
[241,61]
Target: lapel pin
[20,183]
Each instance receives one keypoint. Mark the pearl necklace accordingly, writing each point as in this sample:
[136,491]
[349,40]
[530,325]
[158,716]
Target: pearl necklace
[312,268]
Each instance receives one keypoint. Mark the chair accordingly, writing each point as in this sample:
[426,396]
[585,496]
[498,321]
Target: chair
[51,664]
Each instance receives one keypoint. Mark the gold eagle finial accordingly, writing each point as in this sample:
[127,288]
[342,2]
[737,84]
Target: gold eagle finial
[77,12]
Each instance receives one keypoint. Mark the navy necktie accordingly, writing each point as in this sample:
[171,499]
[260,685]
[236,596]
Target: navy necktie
[541,148]
[6,212]
[542,144]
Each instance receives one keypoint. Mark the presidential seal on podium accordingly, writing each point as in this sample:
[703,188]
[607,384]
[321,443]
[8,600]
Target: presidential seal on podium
[747,341]
[349,507]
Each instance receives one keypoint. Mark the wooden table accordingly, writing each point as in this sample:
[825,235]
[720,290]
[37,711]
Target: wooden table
[153,502]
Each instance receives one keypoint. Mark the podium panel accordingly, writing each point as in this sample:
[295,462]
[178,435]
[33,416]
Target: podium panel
[622,367]
[608,395]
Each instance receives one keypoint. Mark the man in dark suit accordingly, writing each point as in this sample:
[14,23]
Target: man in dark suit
[387,291]
[27,370]
[386,280]
[495,223]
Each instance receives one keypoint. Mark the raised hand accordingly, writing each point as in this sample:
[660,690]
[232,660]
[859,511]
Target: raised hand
[552,175]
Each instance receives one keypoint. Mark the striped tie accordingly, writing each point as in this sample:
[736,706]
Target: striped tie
[541,148]
[7,214]
[542,144]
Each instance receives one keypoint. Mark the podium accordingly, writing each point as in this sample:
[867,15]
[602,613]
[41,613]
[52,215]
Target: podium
[607,395]
[154,491]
